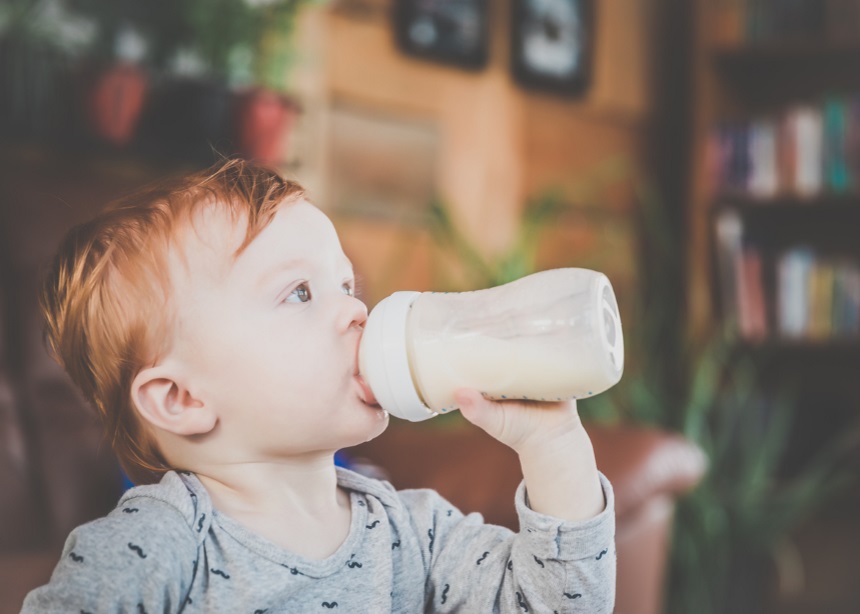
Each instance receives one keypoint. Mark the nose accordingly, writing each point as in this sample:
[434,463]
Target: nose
[353,313]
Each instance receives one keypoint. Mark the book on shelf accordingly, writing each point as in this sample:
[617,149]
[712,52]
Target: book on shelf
[792,279]
[752,310]
[729,244]
[814,297]
[817,298]
[808,136]
[805,151]
[740,272]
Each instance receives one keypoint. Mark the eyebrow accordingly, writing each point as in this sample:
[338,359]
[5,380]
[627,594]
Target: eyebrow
[266,277]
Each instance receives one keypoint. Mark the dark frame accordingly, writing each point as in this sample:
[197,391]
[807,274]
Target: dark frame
[454,32]
[573,19]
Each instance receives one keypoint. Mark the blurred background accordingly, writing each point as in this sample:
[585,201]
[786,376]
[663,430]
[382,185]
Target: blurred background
[704,154]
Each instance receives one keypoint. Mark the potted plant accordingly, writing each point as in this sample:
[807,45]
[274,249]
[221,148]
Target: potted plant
[265,112]
[114,81]
[225,64]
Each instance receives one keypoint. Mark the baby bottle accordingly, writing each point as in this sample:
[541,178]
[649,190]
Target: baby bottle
[550,336]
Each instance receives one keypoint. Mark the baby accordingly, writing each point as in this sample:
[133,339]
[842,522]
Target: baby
[213,323]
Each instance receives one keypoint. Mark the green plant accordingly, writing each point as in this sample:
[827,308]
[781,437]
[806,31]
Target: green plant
[539,214]
[242,42]
[246,41]
[729,527]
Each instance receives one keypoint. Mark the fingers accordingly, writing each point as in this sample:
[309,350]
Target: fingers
[481,412]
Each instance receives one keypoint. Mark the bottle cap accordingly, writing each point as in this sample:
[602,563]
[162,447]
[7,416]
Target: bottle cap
[384,359]
[612,338]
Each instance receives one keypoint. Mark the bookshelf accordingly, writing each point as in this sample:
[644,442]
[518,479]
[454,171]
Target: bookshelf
[774,218]
[776,185]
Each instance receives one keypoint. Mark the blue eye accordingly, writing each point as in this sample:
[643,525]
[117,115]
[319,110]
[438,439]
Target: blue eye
[348,289]
[301,294]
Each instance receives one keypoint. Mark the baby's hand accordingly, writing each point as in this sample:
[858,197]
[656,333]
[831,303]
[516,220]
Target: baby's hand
[521,425]
[555,451]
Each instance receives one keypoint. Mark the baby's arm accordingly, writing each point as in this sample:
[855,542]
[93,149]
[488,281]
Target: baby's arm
[551,565]
[555,452]
[138,559]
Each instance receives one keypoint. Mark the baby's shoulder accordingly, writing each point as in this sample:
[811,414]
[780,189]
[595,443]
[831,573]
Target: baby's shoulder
[177,508]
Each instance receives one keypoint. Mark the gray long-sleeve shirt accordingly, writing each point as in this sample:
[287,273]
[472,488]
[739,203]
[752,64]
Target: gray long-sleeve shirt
[166,549]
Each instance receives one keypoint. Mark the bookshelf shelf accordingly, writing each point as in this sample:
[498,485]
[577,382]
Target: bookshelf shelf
[795,55]
[815,359]
[826,204]
[777,116]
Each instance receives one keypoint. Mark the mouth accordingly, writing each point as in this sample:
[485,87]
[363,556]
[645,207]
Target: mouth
[365,393]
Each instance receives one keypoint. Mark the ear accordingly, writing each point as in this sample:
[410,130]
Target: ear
[163,401]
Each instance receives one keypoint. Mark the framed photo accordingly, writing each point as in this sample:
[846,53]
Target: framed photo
[450,31]
[552,43]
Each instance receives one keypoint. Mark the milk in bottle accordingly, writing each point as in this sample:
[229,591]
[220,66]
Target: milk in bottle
[549,336]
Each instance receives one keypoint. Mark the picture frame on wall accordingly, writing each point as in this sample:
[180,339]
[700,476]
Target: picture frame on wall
[454,32]
[552,44]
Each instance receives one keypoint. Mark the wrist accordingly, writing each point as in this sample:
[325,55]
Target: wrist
[561,476]
[566,429]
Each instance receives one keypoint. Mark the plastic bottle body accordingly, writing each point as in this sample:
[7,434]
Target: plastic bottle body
[549,336]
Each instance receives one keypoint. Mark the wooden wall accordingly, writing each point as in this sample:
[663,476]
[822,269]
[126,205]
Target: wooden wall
[498,143]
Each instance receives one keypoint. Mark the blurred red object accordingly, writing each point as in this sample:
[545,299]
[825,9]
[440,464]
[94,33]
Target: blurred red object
[114,101]
[263,122]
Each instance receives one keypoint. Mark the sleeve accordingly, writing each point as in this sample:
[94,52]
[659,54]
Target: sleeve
[551,565]
[140,558]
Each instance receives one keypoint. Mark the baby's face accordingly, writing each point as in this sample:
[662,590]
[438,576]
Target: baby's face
[269,340]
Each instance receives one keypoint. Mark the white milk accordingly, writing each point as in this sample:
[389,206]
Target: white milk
[500,369]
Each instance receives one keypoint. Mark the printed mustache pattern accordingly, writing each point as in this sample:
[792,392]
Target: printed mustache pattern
[602,553]
[130,510]
[572,596]
[445,593]
[483,557]
[76,558]
[138,549]
[218,572]
[329,604]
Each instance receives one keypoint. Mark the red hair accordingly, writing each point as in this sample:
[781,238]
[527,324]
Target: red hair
[107,296]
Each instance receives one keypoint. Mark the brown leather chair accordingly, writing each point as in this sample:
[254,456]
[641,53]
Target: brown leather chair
[56,472]
[648,468]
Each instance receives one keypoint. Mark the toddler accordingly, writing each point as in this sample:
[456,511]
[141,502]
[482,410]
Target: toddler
[213,323]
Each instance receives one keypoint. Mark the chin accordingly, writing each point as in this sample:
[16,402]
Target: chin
[381,425]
